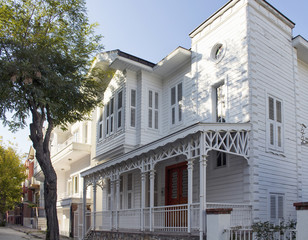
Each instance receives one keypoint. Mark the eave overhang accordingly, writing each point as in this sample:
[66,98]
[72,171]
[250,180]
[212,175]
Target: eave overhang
[301,44]
[230,4]
[172,62]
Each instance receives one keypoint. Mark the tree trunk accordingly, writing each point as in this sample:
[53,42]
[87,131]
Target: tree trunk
[50,195]
[41,145]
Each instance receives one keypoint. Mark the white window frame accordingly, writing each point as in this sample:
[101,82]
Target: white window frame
[100,131]
[274,145]
[119,110]
[215,105]
[220,154]
[75,185]
[129,191]
[133,108]
[153,109]
[176,105]
[109,120]
[279,210]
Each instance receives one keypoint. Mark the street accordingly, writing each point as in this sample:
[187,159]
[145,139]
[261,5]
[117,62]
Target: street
[11,234]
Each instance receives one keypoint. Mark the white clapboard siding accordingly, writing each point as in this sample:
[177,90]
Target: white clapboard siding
[272,73]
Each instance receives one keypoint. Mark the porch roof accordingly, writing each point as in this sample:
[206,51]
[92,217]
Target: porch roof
[193,129]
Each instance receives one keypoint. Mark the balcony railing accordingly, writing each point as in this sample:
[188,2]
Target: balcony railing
[59,147]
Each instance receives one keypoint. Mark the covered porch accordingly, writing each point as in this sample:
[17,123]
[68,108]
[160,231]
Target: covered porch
[167,185]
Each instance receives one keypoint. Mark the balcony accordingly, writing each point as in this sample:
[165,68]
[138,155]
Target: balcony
[33,183]
[65,199]
[68,152]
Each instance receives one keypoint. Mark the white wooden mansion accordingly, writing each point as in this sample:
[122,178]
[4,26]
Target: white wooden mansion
[220,125]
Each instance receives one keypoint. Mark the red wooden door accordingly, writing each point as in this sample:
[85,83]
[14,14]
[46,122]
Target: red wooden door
[176,193]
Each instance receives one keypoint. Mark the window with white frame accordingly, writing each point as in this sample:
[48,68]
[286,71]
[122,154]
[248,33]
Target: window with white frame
[75,184]
[129,191]
[221,159]
[153,110]
[109,117]
[108,194]
[85,132]
[100,124]
[176,103]
[133,101]
[220,102]
[121,192]
[276,205]
[274,124]
[119,109]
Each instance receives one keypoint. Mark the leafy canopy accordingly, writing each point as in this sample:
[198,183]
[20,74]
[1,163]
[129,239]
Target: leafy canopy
[45,47]
[12,174]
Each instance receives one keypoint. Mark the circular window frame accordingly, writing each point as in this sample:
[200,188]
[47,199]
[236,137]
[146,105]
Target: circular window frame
[215,49]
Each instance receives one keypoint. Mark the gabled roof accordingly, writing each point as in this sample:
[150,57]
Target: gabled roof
[120,60]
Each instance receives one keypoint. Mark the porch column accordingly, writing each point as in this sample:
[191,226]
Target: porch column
[190,167]
[94,205]
[117,201]
[111,202]
[152,177]
[84,205]
[202,221]
[143,192]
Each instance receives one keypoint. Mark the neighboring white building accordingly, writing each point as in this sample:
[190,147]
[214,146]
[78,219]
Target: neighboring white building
[217,125]
[71,153]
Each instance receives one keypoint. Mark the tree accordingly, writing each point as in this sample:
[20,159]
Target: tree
[45,52]
[12,174]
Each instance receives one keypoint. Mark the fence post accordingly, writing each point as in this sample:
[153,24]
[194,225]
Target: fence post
[302,220]
[218,220]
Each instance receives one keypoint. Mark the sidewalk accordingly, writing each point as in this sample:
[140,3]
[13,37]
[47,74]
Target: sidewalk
[33,232]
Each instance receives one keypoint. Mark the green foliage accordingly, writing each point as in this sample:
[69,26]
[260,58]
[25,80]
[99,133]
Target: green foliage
[12,174]
[268,231]
[45,52]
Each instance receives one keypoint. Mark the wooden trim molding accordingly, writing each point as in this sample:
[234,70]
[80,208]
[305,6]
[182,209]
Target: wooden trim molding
[216,211]
[301,205]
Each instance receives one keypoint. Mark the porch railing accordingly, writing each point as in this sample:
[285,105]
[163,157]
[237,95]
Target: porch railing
[173,218]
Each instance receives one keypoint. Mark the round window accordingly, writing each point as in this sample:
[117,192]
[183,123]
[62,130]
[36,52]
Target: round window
[218,52]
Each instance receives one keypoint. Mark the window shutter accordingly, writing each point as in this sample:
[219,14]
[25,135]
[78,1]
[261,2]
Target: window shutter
[273,206]
[173,96]
[278,111]
[130,182]
[280,207]
[271,108]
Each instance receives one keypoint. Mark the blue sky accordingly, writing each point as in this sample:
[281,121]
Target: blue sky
[152,29]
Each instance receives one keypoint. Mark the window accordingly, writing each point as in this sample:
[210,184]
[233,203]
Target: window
[109,192]
[129,191]
[75,184]
[119,109]
[276,211]
[109,117]
[275,124]
[176,103]
[100,124]
[75,136]
[217,52]
[220,102]
[86,133]
[153,110]
[221,159]
[133,108]
[121,192]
